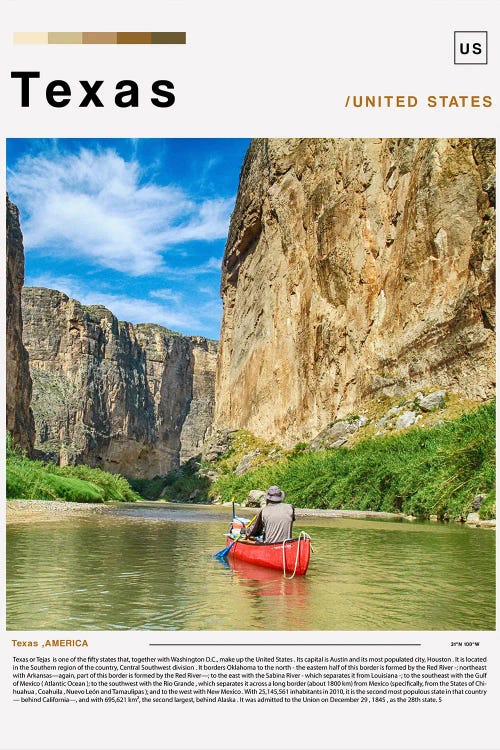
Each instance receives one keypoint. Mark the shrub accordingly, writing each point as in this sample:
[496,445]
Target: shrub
[420,472]
[35,480]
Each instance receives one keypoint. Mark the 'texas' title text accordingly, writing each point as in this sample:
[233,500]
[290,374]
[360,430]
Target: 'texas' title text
[59,93]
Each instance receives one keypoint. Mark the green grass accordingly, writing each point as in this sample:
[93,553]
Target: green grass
[35,480]
[419,472]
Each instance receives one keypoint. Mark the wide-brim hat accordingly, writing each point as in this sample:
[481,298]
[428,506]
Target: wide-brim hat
[274,494]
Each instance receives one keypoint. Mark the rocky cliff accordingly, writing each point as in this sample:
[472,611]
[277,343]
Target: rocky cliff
[133,399]
[18,382]
[353,269]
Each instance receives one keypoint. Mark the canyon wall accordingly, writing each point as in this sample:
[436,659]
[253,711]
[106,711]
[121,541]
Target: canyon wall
[355,268]
[19,418]
[133,399]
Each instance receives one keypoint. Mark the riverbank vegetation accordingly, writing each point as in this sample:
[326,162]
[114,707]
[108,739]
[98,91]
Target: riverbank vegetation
[185,485]
[36,480]
[446,469]
[436,471]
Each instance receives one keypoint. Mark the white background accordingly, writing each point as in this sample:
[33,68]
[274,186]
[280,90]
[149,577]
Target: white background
[269,69]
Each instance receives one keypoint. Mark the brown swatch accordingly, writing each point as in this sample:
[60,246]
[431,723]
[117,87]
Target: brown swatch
[65,37]
[134,37]
[168,37]
[100,37]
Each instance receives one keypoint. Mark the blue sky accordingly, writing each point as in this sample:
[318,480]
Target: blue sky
[137,225]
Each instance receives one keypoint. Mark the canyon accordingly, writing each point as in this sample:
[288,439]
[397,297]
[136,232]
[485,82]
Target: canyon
[131,399]
[354,270]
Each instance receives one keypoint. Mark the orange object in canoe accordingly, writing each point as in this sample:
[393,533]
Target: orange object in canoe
[295,554]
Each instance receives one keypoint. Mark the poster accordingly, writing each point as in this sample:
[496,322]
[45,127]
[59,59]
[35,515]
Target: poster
[257,242]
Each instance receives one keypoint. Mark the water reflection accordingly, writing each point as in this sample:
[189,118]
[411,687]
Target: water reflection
[273,598]
[152,568]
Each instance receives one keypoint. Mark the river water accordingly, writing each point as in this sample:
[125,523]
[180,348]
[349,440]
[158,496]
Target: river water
[152,568]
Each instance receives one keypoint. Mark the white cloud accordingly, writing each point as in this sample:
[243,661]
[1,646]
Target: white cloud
[92,205]
[211,266]
[166,294]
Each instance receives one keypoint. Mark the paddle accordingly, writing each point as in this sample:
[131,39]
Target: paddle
[223,553]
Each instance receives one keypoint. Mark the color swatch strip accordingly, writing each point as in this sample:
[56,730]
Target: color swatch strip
[99,37]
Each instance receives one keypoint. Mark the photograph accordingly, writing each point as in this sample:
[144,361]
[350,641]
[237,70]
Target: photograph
[250,384]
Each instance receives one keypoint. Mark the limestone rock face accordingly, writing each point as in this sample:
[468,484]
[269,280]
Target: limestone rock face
[337,434]
[130,399]
[180,373]
[355,268]
[18,386]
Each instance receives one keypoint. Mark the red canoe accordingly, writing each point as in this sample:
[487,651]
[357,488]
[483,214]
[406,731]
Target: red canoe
[291,557]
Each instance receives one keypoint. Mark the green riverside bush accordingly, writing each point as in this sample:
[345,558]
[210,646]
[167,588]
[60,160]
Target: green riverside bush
[35,480]
[419,472]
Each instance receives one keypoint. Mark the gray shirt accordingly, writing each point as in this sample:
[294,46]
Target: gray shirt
[274,522]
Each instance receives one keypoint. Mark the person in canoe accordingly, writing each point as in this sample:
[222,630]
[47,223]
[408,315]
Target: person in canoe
[274,522]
